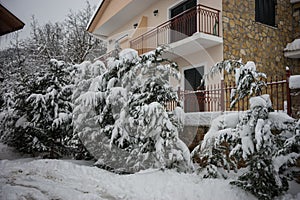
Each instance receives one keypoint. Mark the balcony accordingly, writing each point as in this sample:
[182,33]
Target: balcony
[196,26]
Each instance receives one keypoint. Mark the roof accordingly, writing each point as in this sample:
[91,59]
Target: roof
[9,22]
[292,49]
[123,12]
[92,20]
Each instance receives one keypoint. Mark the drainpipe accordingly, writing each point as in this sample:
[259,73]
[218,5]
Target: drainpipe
[288,92]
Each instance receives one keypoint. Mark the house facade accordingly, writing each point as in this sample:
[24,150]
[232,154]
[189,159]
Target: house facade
[201,33]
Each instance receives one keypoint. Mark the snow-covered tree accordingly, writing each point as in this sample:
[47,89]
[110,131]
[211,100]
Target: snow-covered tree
[265,142]
[79,45]
[247,79]
[124,107]
[23,75]
[41,118]
[67,40]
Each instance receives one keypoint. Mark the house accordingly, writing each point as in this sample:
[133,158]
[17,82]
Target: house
[9,22]
[259,30]
[201,33]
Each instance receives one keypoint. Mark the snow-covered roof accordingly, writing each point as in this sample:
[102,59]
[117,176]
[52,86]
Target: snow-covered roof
[295,45]
[294,82]
[295,1]
[292,50]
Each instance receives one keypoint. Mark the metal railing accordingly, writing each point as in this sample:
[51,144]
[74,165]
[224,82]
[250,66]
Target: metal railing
[198,19]
[216,97]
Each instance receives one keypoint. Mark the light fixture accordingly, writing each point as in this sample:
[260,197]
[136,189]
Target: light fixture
[155,12]
[135,25]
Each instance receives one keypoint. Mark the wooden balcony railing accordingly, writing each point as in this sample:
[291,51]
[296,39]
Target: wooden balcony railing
[198,19]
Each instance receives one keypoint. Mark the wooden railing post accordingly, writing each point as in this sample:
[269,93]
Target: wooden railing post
[288,94]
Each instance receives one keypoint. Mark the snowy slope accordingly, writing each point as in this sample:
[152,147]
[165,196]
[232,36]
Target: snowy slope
[54,179]
[74,180]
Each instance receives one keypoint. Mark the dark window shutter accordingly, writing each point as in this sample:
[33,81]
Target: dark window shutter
[265,11]
[258,10]
[183,7]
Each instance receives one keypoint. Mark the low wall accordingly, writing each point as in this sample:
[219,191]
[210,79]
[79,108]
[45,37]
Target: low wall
[295,103]
[294,84]
[195,126]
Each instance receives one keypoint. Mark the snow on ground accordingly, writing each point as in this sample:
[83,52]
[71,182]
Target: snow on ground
[200,118]
[56,179]
[41,179]
[206,118]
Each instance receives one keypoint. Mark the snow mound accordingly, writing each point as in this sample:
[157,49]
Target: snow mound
[200,118]
[54,179]
[57,62]
[227,120]
[295,45]
[260,101]
[294,82]
[128,55]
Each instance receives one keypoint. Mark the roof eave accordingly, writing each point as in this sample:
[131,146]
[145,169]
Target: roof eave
[91,25]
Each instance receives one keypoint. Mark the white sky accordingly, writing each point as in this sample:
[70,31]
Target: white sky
[43,10]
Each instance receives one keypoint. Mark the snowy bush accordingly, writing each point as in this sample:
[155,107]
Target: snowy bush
[267,143]
[40,121]
[120,113]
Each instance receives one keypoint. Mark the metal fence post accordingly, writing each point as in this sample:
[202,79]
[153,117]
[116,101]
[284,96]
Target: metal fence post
[288,93]
[222,95]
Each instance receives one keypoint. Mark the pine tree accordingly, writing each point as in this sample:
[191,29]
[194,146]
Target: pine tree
[263,141]
[42,112]
[247,78]
[128,102]
[268,156]
[267,146]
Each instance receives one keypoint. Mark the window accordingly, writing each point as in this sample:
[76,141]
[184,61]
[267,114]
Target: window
[265,11]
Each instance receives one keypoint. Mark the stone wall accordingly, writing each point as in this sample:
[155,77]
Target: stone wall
[193,135]
[294,63]
[247,39]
